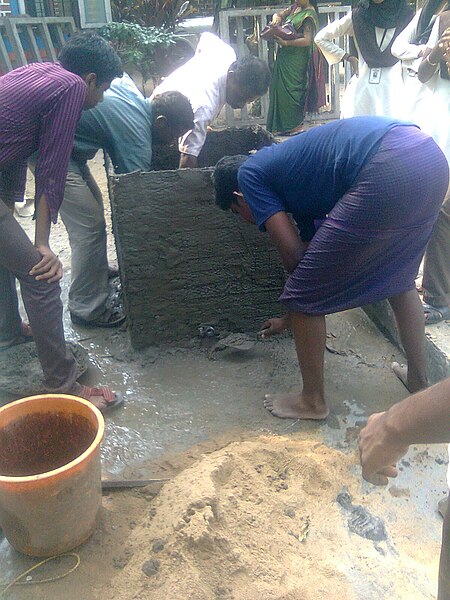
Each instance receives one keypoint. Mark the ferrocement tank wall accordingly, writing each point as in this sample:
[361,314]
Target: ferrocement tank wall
[185,263]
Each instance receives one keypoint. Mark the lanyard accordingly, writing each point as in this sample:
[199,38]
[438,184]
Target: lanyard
[382,40]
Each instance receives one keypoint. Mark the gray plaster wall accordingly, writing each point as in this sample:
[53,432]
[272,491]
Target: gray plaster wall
[184,262]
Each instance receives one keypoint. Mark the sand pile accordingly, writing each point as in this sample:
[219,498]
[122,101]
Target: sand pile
[268,519]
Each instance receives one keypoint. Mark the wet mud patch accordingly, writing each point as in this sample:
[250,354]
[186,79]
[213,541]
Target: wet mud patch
[361,521]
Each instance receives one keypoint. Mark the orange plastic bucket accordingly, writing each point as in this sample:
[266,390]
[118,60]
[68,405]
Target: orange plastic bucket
[50,472]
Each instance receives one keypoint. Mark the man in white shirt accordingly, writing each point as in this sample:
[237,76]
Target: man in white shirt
[210,79]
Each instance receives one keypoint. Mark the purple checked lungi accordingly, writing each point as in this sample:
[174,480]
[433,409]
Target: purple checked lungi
[371,244]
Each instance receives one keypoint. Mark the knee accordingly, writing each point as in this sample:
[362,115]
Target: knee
[39,290]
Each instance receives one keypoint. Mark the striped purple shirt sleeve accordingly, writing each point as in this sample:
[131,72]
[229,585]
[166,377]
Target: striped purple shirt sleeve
[57,133]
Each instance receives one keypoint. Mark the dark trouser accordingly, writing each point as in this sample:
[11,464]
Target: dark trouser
[436,271]
[444,565]
[42,302]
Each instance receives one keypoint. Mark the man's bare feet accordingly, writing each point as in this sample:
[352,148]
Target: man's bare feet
[295,406]
[410,384]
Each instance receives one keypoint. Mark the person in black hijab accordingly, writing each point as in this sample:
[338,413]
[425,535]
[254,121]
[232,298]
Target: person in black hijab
[377,85]
[387,14]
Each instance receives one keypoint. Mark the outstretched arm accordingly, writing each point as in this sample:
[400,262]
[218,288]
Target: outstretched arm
[423,418]
[188,161]
[333,31]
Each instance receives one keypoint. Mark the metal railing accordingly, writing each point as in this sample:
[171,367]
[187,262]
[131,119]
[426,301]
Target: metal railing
[32,39]
[241,27]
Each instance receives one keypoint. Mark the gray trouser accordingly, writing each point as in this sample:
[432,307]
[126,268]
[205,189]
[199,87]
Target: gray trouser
[444,564]
[83,215]
[42,302]
[436,272]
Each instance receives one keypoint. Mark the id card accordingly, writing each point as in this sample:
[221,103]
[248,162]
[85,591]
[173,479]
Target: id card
[375,75]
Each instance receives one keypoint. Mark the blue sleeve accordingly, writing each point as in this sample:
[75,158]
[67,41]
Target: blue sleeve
[121,125]
[261,199]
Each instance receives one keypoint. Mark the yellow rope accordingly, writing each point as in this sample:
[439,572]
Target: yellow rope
[17,581]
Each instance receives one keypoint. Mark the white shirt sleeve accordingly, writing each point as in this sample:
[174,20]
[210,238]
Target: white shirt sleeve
[434,35]
[324,38]
[403,46]
[192,141]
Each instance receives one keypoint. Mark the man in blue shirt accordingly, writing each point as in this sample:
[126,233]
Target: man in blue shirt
[124,125]
[376,186]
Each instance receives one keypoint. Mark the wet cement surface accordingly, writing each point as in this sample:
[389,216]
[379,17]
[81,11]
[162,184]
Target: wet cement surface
[176,397]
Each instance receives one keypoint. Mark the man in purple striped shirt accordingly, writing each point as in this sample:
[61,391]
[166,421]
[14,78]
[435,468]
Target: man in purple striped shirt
[40,105]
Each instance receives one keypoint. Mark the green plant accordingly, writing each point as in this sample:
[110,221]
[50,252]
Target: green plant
[147,13]
[143,47]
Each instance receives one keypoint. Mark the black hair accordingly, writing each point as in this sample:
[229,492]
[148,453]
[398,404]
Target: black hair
[252,74]
[87,53]
[225,179]
[176,108]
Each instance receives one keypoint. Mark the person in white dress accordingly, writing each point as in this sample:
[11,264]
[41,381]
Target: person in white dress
[210,79]
[428,104]
[409,47]
[376,87]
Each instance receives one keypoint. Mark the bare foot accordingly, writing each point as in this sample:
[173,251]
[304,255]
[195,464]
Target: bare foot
[402,373]
[295,406]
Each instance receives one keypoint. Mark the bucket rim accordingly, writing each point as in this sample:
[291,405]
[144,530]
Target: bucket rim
[73,463]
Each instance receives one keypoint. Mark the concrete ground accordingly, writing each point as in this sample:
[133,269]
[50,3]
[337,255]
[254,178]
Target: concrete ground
[180,404]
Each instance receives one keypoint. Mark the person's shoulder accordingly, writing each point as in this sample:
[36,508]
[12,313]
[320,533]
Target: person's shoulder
[210,46]
[54,78]
[363,122]
[57,71]
[124,85]
[210,40]
[256,164]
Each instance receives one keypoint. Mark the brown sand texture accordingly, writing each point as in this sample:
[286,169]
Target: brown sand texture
[259,520]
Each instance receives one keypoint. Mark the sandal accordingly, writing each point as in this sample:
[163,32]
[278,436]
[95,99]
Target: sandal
[110,318]
[435,314]
[112,399]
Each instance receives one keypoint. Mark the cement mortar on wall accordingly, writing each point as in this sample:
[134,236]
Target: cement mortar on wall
[184,262]
[229,142]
